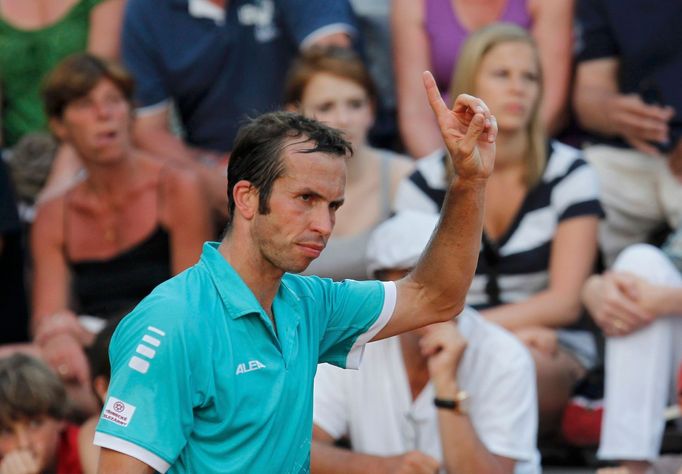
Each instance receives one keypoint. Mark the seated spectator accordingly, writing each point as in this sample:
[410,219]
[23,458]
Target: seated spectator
[34,436]
[541,215]
[638,305]
[627,94]
[429,34]
[35,36]
[217,61]
[334,86]
[386,409]
[131,223]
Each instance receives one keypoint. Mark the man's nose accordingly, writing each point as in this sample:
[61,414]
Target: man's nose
[323,221]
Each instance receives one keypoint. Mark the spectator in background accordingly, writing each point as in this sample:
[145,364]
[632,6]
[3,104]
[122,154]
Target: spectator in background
[373,17]
[133,222]
[13,308]
[35,36]
[627,93]
[428,35]
[541,215]
[34,436]
[217,61]
[638,305]
[386,409]
[334,86]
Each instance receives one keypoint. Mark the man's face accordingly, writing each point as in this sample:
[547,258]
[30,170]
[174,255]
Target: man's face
[37,436]
[303,206]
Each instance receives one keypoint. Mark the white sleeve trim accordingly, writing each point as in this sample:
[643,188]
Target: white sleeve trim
[153,109]
[355,354]
[126,447]
[325,31]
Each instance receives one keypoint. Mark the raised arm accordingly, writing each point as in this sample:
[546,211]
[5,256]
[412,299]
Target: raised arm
[418,128]
[552,30]
[435,290]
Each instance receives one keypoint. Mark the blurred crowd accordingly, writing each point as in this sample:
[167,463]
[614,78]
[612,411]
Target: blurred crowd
[117,119]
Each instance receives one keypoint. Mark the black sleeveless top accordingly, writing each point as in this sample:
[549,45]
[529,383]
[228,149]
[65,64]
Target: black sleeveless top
[109,288]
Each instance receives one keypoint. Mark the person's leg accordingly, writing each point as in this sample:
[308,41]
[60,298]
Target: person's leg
[638,370]
[556,377]
[629,191]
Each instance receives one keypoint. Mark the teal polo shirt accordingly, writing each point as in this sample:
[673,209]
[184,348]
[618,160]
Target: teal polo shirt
[202,382]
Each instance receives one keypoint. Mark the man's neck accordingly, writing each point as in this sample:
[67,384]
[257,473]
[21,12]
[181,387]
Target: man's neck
[259,275]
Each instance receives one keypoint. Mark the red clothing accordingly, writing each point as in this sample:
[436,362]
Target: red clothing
[68,461]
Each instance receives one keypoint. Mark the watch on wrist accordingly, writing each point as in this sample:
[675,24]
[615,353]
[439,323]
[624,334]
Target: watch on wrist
[459,404]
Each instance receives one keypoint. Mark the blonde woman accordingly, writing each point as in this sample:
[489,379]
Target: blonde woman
[541,214]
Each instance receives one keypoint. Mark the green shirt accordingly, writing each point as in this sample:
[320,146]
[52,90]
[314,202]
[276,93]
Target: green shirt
[202,383]
[26,56]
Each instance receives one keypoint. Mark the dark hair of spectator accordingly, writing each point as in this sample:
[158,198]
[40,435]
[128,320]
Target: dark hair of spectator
[29,390]
[257,156]
[336,61]
[75,76]
[98,352]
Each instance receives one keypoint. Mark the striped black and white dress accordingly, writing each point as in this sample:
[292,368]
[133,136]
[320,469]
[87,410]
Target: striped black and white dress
[519,262]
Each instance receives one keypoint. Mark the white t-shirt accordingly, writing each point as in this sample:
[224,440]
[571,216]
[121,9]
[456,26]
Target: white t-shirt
[374,407]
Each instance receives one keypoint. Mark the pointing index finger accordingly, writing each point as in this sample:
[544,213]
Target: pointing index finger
[435,99]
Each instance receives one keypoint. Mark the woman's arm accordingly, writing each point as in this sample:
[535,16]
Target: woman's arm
[50,286]
[417,124]
[186,213]
[553,31]
[572,258]
[104,38]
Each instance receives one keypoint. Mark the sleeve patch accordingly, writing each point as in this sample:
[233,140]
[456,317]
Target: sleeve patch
[118,411]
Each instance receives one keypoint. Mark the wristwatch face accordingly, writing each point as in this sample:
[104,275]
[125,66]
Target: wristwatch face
[463,402]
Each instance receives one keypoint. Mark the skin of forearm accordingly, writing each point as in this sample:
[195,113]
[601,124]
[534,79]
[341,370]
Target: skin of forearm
[670,301]
[447,266]
[463,451]
[591,107]
[547,308]
[328,459]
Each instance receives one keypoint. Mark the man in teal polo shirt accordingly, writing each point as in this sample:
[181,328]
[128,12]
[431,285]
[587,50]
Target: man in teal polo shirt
[213,371]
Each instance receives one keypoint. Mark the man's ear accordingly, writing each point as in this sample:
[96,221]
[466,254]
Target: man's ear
[245,197]
[291,107]
[101,385]
[58,128]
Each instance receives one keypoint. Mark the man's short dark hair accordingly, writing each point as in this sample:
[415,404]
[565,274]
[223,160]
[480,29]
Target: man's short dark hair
[257,156]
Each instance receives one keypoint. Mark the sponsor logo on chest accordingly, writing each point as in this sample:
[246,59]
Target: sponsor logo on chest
[249,367]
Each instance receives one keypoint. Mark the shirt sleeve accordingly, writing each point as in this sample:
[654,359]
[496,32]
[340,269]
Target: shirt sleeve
[577,194]
[141,56]
[153,375]
[594,38]
[356,311]
[330,406]
[308,21]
